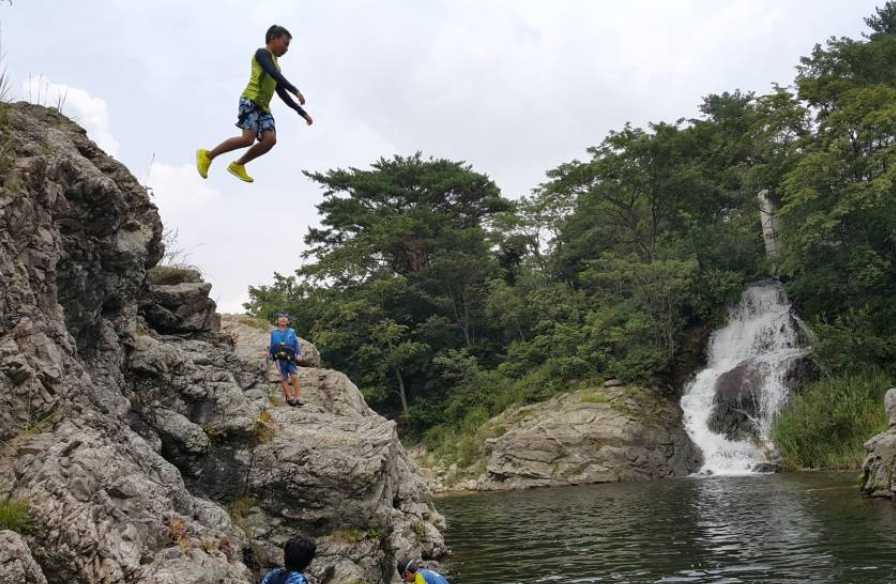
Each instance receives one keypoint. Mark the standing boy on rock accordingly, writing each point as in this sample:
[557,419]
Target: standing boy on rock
[285,350]
[255,117]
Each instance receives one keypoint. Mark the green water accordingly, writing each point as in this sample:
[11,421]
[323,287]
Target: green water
[807,527]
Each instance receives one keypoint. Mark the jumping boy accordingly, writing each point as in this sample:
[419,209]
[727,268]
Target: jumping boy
[255,117]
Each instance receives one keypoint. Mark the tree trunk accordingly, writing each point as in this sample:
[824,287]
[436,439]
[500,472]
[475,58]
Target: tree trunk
[768,215]
[402,393]
[467,335]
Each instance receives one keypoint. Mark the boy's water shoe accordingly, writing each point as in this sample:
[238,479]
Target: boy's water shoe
[203,162]
[239,171]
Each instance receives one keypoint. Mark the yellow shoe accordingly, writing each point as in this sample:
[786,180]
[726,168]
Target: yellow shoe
[203,162]
[239,171]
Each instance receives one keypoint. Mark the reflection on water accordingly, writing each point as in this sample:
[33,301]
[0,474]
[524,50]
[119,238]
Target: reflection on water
[754,529]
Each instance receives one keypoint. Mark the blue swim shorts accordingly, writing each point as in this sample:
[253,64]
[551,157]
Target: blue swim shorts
[253,118]
[287,369]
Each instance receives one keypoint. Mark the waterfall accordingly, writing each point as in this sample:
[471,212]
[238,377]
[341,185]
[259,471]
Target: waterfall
[750,359]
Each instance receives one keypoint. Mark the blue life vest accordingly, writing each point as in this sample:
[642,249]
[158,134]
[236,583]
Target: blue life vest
[285,346]
[431,577]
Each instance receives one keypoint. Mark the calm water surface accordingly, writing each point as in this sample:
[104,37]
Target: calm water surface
[812,527]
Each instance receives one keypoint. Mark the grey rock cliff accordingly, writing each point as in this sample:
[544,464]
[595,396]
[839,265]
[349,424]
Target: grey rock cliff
[333,468]
[150,446]
[879,468]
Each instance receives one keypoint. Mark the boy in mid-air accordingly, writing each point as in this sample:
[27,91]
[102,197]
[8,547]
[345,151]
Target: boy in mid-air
[255,117]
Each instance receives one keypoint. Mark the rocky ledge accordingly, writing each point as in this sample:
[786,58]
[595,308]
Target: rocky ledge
[143,436]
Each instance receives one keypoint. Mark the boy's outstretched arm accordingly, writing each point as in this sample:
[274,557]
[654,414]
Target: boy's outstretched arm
[284,95]
[267,65]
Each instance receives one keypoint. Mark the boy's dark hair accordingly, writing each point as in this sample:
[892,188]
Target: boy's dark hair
[298,553]
[274,32]
[406,565]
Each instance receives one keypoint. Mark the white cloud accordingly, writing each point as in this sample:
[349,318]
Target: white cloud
[92,113]
[178,190]
[182,196]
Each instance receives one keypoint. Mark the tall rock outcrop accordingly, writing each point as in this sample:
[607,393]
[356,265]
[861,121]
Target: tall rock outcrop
[149,446]
[879,469]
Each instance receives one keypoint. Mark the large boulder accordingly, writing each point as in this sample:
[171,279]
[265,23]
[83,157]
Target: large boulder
[609,434]
[737,401]
[739,392]
[178,302]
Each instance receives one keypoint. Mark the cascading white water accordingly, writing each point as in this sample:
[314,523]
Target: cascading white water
[761,329]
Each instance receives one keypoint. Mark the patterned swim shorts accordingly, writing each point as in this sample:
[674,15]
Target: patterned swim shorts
[253,118]
[287,369]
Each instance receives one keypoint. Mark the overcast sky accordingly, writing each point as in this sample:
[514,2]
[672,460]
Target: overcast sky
[513,87]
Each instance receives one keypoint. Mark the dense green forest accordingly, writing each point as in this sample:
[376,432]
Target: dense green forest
[447,301]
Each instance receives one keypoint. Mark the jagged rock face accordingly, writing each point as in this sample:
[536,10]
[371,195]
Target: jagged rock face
[590,436]
[112,510]
[16,564]
[879,468]
[331,468]
[147,457]
[77,234]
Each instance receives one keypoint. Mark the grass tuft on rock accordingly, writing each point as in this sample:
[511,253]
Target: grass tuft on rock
[173,274]
[15,516]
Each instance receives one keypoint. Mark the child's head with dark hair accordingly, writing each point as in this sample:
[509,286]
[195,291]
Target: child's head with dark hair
[407,569]
[277,39]
[276,31]
[298,553]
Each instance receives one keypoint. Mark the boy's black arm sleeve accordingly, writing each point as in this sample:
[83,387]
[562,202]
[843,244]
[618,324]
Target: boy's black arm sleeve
[267,65]
[284,95]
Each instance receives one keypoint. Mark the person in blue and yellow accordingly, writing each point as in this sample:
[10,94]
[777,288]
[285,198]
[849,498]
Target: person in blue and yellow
[255,117]
[285,350]
[409,572]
